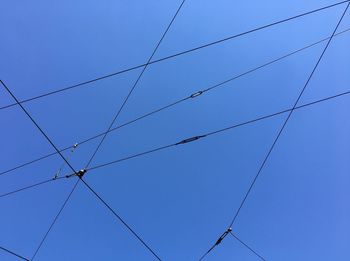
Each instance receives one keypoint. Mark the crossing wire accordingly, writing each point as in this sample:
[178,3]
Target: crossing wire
[288,117]
[67,199]
[215,86]
[13,253]
[282,127]
[160,148]
[37,126]
[55,219]
[70,194]
[247,246]
[134,86]
[210,133]
[175,55]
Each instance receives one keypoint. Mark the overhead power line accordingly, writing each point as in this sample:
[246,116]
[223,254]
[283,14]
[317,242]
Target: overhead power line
[283,126]
[160,148]
[188,140]
[190,97]
[247,246]
[120,219]
[55,219]
[30,186]
[82,172]
[133,87]
[13,253]
[36,124]
[295,106]
[174,55]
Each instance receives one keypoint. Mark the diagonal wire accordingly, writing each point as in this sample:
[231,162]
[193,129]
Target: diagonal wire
[173,55]
[288,117]
[220,84]
[120,219]
[134,86]
[212,133]
[36,124]
[247,246]
[13,253]
[55,219]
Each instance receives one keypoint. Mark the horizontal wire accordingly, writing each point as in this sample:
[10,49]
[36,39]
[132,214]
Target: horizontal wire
[173,55]
[173,104]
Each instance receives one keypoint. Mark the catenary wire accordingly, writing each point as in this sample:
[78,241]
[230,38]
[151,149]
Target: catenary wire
[288,117]
[30,186]
[134,86]
[55,219]
[220,84]
[67,199]
[13,253]
[280,130]
[231,127]
[247,246]
[120,219]
[36,124]
[174,55]
[213,132]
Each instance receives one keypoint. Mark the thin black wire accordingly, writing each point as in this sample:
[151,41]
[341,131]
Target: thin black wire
[173,55]
[55,219]
[218,131]
[121,220]
[247,246]
[208,134]
[30,186]
[287,119]
[13,253]
[134,86]
[175,103]
[38,127]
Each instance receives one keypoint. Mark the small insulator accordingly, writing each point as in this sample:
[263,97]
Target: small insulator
[196,94]
[190,139]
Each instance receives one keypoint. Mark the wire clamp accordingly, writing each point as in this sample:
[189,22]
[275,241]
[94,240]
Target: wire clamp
[196,94]
[223,236]
[80,173]
[190,139]
[75,145]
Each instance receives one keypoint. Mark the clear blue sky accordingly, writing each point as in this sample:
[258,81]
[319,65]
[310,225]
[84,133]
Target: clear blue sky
[179,200]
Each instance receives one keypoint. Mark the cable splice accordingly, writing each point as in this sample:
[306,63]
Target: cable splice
[190,139]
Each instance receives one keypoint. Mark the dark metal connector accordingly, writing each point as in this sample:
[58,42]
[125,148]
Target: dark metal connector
[81,173]
[190,139]
[223,236]
[196,94]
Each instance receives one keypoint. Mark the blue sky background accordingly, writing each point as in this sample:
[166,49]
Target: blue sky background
[179,200]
